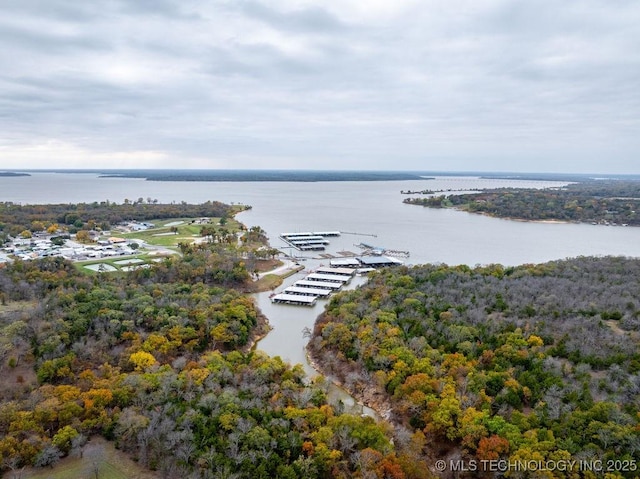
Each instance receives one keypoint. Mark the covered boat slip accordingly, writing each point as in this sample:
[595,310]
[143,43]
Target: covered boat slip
[336,271]
[322,293]
[378,261]
[296,299]
[310,240]
[310,247]
[338,263]
[304,283]
[331,278]
[310,233]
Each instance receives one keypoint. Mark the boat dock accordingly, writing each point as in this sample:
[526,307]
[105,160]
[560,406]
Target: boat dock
[378,261]
[321,293]
[314,233]
[305,283]
[324,281]
[296,299]
[330,278]
[320,284]
[349,272]
[369,249]
[338,263]
[308,240]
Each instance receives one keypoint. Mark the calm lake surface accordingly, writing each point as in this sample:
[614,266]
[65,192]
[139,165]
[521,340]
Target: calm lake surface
[367,208]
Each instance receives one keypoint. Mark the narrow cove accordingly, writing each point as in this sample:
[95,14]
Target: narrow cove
[288,338]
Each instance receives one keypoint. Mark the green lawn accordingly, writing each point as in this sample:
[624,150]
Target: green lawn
[162,235]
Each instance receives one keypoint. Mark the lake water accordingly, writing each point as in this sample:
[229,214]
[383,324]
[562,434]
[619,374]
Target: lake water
[367,208]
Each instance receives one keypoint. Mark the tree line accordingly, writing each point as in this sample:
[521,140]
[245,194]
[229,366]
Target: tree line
[16,218]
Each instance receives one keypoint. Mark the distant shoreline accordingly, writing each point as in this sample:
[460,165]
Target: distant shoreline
[11,174]
[265,175]
[273,175]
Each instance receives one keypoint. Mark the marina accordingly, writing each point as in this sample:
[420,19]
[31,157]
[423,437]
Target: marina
[309,241]
[320,283]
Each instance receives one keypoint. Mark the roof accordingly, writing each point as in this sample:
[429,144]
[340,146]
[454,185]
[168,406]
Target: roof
[307,291]
[294,298]
[318,284]
[329,277]
[344,262]
[378,260]
[336,271]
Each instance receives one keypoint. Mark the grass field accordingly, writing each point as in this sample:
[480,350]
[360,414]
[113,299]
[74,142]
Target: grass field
[100,460]
[116,262]
[186,231]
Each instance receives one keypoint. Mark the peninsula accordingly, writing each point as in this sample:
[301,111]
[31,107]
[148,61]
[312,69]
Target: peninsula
[596,202]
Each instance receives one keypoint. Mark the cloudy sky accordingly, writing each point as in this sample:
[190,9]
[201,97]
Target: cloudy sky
[463,85]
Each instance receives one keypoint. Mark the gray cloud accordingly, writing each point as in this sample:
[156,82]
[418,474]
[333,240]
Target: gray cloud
[483,85]
[304,20]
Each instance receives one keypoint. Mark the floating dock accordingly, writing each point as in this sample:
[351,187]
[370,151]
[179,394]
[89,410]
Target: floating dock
[321,293]
[344,263]
[380,250]
[305,283]
[337,271]
[295,299]
[308,240]
[378,261]
[330,278]
[313,233]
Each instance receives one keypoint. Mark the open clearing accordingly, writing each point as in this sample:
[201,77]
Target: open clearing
[106,267]
[98,453]
[129,261]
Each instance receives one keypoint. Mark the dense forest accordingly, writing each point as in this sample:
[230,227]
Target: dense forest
[529,363]
[159,360]
[15,218]
[602,202]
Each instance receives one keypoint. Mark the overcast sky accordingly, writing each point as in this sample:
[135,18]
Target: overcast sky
[463,85]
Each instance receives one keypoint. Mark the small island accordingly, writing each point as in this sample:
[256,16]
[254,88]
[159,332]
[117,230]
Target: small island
[612,203]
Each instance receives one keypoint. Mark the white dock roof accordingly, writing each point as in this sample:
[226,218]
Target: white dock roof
[336,271]
[318,284]
[329,277]
[337,262]
[294,298]
[378,261]
[307,291]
